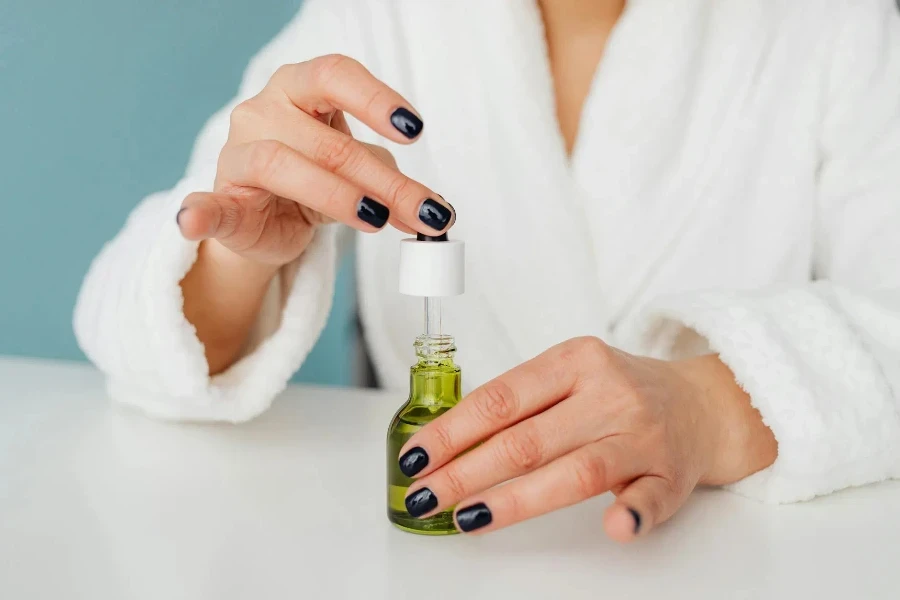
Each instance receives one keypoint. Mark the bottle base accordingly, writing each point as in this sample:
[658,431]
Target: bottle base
[439,524]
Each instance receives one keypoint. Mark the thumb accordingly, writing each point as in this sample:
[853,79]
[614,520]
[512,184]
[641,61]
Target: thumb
[205,215]
[642,505]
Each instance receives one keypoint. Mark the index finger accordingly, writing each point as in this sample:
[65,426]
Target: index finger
[522,392]
[337,82]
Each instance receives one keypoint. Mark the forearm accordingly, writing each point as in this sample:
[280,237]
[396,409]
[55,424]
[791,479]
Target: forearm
[223,294]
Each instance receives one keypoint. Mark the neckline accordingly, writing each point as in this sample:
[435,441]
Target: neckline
[546,79]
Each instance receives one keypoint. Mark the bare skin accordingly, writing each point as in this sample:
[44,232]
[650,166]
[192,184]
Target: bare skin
[647,430]
[248,232]
[583,419]
[291,164]
[576,33]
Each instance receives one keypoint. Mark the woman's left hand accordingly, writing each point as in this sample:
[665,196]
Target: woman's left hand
[579,420]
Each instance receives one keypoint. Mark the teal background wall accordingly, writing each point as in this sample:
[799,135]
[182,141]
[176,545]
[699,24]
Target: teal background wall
[100,101]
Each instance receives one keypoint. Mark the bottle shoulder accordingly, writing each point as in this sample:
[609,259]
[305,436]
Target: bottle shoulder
[417,414]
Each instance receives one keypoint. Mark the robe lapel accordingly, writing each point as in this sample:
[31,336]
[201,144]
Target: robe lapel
[664,110]
[530,256]
[569,247]
[631,145]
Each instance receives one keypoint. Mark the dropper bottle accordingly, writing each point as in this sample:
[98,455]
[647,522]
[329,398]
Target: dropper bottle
[432,268]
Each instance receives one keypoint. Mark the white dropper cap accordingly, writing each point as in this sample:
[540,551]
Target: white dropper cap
[432,267]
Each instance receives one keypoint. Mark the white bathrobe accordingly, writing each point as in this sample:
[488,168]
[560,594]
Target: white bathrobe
[735,188]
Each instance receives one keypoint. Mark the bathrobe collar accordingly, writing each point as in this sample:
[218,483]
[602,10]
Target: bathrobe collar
[595,210]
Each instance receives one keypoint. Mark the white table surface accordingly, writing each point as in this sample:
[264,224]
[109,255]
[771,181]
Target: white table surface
[99,502]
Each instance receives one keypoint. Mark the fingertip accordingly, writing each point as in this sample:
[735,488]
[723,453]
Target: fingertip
[413,461]
[437,215]
[474,518]
[409,124]
[620,523]
[421,503]
[373,213]
[453,210]
[192,223]
[399,225]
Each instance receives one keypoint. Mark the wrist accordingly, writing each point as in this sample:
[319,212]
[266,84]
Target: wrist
[740,443]
[240,268]
[223,293]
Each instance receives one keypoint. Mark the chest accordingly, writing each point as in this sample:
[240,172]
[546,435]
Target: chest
[574,54]
[695,164]
[709,114]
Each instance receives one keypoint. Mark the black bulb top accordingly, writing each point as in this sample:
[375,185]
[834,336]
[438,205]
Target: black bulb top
[421,237]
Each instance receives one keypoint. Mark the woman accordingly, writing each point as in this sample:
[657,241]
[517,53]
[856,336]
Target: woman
[682,227]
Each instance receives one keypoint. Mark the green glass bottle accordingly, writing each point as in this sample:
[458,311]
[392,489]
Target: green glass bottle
[434,388]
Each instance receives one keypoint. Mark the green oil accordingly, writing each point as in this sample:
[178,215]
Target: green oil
[434,388]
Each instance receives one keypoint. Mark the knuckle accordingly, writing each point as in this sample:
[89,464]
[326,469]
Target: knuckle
[335,152]
[401,191]
[590,475]
[497,402]
[443,438]
[675,486]
[682,479]
[569,354]
[230,217]
[329,67]
[653,505]
[522,448]
[242,115]
[376,97]
[453,482]
[513,506]
[648,420]
[283,73]
[383,154]
[265,159]
[644,414]
[592,348]
[253,119]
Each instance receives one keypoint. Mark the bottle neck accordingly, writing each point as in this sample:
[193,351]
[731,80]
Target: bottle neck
[435,349]
[435,379]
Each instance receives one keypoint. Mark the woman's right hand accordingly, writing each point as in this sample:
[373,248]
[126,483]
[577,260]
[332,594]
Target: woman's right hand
[290,163]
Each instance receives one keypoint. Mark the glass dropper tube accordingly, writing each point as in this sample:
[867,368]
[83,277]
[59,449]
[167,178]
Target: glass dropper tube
[432,316]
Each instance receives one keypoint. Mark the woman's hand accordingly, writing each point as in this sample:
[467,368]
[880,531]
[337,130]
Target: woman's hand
[579,420]
[290,164]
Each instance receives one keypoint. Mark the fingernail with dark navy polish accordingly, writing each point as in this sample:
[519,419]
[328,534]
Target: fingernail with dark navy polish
[406,123]
[453,210]
[178,216]
[637,520]
[422,502]
[435,215]
[474,517]
[372,212]
[413,461]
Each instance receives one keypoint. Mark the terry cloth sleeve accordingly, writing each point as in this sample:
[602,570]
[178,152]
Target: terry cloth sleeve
[128,317]
[821,362]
